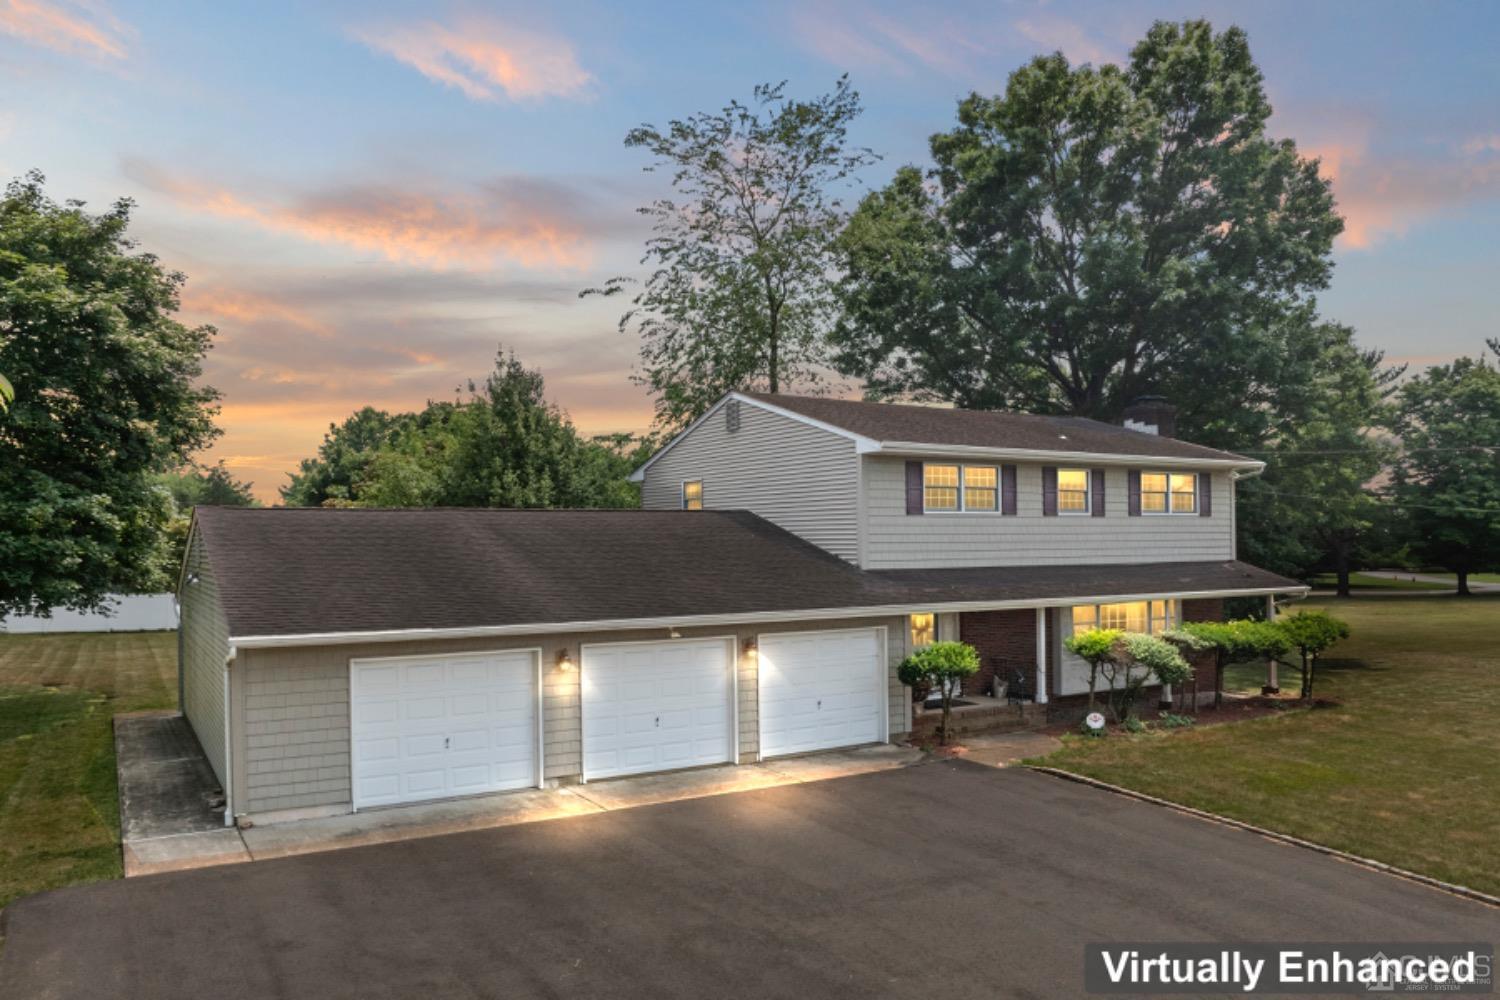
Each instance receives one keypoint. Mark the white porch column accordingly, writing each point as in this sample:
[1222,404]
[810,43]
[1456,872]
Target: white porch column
[1272,687]
[1041,656]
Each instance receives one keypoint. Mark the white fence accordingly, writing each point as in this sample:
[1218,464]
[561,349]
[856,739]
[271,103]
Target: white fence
[129,613]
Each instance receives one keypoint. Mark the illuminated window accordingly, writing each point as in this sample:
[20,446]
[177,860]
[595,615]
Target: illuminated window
[1073,491]
[923,630]
[1154,617]
[692,494]
[940,487]
[1130,617]
[953,488]
[1169,492]
[981,487]
[1184,494]
[1154,492]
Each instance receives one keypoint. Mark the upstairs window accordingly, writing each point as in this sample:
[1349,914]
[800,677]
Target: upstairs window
[1073,491]
[940,487]
[981,487]
[1169,493]
[692,494]
[954,488]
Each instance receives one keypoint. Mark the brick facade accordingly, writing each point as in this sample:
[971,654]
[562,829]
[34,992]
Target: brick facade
[1005,640]
[1205,669]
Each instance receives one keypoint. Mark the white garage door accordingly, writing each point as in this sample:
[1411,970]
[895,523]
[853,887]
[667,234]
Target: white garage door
[820,690]
[655,706]
[433,727]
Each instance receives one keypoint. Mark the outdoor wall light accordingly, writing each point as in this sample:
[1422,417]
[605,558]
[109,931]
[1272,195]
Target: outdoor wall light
[674,633]
[564,661]
[752,650]
[192,579]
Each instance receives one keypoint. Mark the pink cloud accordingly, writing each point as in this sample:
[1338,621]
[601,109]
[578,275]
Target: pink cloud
[70,28]
[1383,197]
[878,41]
[1056,34]
[249,308]
[483,58]
[453,229]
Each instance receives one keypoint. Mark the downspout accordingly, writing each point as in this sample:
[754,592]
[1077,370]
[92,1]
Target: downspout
[181,666]
[1235,475]
[228,746]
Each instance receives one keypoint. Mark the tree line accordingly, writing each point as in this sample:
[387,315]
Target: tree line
[1089,235]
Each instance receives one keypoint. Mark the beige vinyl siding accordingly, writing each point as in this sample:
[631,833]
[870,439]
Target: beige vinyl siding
[204,645]
[897,540]
[294,752]
[794,475]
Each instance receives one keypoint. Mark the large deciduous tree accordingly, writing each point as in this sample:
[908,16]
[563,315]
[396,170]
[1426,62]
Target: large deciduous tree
[504,445]
[741,290]
[1448,477]
[342,458]
[1098,233]
[107,398]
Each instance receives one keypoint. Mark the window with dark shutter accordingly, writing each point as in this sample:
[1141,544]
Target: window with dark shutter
[1205,494]
[1096,507]
[1007,489]
[1049,490]
[914,487]
[1133,500]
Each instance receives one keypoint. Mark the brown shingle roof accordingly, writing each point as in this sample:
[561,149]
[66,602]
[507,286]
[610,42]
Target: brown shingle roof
[891,422]
[299,571]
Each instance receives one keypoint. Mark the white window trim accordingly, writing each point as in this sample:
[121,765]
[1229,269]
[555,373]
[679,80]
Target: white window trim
[1088,493]
[683,497]
[1169,512]
[963,508]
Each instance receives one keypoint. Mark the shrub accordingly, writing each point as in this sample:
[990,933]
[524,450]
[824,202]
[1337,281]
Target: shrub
[1136,658]
[937,666]
[1311,633]
[1094,646]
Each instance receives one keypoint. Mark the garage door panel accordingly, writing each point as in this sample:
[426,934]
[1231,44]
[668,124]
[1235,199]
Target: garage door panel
[821,691]
[655,706]
[436,727]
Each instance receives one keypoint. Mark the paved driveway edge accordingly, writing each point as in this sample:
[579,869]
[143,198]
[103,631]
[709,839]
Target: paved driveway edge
[1285,838]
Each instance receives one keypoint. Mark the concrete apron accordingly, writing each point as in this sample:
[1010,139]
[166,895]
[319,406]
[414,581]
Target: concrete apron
[202,847]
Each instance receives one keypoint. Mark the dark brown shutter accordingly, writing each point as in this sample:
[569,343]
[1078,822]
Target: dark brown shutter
[1096,502]
[1007,489]
[914,487]
[1049,490]
[1205,495]
[1133,505]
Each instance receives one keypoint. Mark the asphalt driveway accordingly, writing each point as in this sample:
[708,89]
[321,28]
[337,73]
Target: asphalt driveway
[948,879]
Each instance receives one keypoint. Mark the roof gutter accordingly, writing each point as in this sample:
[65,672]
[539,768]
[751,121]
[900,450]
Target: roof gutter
[740,617]
[1250,466]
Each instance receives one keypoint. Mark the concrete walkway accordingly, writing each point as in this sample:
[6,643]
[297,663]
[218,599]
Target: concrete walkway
[167,823]
[168,795]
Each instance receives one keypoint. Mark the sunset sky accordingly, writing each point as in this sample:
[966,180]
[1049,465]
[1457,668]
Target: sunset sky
[367,198]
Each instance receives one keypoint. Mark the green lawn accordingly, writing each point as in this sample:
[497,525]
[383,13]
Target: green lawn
[1360,581]
[59,814]
[1406,770]
[1473,577]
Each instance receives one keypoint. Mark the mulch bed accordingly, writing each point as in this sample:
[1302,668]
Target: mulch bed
[1236,708]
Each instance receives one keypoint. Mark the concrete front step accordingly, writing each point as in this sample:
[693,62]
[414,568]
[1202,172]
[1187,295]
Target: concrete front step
[987,717]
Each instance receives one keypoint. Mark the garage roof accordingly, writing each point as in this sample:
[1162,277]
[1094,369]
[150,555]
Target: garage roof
[317,574]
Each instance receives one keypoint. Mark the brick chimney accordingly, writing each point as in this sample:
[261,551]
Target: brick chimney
[1151,415]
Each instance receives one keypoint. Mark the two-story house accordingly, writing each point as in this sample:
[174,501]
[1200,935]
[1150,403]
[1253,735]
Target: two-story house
[1072,522]
[792,551]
